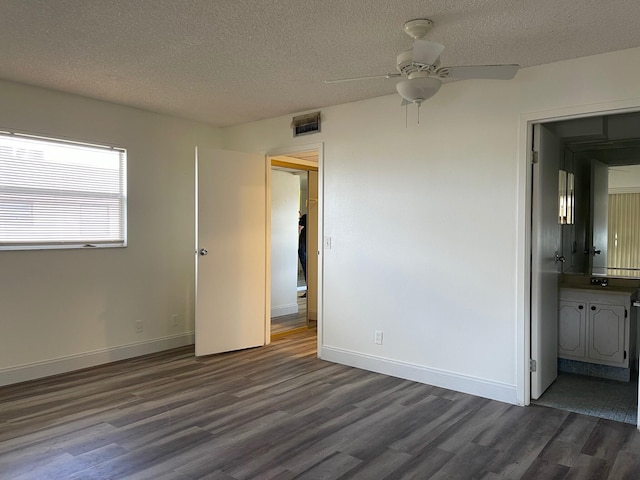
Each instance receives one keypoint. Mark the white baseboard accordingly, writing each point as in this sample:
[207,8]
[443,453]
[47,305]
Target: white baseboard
[282,310]
[440,378]
[32,371]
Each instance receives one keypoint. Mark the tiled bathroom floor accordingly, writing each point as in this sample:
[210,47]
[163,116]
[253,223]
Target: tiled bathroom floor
[593,396]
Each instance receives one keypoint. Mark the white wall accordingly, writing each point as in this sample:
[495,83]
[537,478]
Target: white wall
[427,220]
[285,199]
[624,179]
[67,309]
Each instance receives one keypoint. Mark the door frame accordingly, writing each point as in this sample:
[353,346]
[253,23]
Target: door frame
[284,151]
[524,213]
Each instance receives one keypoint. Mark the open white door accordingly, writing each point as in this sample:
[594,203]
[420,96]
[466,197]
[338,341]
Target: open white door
[231,251]
[545,246]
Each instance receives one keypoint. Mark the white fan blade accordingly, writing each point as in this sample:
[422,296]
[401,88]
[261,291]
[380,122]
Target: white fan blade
[425,52]
[489,72]
[386,75]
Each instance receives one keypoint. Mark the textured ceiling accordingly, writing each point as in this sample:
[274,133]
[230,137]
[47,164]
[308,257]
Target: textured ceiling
[227,62]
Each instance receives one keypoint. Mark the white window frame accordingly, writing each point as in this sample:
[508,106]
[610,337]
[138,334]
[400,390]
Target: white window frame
[16,191]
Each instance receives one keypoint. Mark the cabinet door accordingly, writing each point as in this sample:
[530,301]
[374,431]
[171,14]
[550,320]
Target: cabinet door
[606,333]
[572,330]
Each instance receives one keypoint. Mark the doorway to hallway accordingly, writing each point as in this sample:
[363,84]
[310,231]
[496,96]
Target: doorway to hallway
[293,266]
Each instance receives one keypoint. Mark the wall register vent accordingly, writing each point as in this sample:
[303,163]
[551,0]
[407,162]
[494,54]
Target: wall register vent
[306,124]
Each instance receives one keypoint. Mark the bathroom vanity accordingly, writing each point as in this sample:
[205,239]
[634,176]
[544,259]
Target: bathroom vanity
[597,331]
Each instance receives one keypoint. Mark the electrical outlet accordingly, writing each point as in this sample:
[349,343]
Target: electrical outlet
[139,326]
[175,320]
[378,338]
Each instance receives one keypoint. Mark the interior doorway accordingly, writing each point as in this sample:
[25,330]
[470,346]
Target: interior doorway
[293,265]
[581,186]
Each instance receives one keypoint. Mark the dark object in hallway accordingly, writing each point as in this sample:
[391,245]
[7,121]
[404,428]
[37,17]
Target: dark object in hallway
[302,244]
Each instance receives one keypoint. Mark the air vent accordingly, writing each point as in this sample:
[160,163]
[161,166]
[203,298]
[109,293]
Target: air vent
[306,124]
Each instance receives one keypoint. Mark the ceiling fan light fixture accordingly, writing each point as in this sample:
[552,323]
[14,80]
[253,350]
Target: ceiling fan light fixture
[417,90]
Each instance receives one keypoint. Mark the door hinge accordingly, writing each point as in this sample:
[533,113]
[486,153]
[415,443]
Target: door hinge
[625,313]
[533,366]
[534,157]
[625,355]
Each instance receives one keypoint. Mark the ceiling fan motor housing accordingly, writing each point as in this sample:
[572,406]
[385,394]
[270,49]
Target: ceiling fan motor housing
[406,65]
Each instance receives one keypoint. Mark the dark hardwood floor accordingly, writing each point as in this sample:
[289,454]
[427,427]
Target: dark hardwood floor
[278,412]
[294,321]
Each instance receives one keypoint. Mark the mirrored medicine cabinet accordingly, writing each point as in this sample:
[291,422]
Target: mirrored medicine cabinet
[599,195]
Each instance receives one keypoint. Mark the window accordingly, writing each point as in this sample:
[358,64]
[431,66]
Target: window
[623,255]
[59,194]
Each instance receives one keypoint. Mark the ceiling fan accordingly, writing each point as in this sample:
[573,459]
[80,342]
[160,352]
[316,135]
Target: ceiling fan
[422,71]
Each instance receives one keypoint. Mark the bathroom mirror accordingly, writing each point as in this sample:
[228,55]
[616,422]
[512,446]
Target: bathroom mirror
[602,185]
[599,195]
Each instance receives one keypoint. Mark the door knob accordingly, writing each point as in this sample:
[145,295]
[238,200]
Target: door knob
[203,251]
[559,258]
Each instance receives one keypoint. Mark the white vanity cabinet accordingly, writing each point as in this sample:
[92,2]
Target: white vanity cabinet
[595,326]
[607,342]
[572,329]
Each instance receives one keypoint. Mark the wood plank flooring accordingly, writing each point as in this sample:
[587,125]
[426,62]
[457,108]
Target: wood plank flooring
[287,323]
[278,412]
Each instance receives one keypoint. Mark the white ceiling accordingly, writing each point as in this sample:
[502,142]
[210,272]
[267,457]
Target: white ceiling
[227,62]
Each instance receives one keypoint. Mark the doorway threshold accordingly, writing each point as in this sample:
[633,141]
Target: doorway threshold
[597,397]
